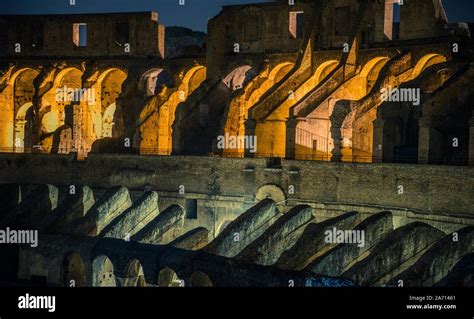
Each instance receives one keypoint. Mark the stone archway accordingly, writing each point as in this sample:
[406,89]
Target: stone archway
[200,279]
[134,275]
[103,274]
[168,278]
[23,139]
[74,271]
[273,192]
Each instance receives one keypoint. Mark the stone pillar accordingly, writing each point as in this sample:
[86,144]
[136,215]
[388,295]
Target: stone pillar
[337,140]
[290,147]
[471,141]
[377,143]
[250,126]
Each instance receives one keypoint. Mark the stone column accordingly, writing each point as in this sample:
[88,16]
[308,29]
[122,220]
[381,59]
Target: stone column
[377,143]
[429,142]
[336,154]
[290,147]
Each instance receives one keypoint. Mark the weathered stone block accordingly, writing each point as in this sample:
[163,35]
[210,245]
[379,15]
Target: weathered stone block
[244,230]
[397,248]
[70,209]
[279,237]
[154,231]
[114,202]
[337,259]
[131,221]
[193,240]
[312,242]
[438,260]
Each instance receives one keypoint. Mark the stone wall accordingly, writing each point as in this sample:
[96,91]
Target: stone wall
[107,34]
[439,190]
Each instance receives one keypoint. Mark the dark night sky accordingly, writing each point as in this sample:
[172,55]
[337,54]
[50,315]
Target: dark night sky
[193,15]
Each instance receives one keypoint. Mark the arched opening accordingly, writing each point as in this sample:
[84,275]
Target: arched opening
[168,278]
[271,131]
[74,271]
[400,132]
[371,72]
[152,81]
[325,133]
[239,77]
[107,119]
[22,111]
[425,62]
[273,192]
[200,279]
[134,275]
[24,128]
[62,140]
[103,272]
[238,108]
[23,86]
[157,130]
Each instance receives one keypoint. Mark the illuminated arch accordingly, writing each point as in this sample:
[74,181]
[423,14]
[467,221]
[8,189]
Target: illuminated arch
[271,131]
[276,74]
[271,191]
[103,274]
[324,69]
[154,79]
[23,128]
[168,278]
[18,91]
[425,62]
[239,77]
[322,135]
[74,271]
[134,275]
[239,106]
[156,131]
[62,75]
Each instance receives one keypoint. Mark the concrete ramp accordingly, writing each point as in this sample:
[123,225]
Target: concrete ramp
[438,260]
[333,263]
[154,231]
[135,218]
[389,256]
[71,208]
[244,229]
[280,236]
[113,203]
[312,242]
[192,240]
